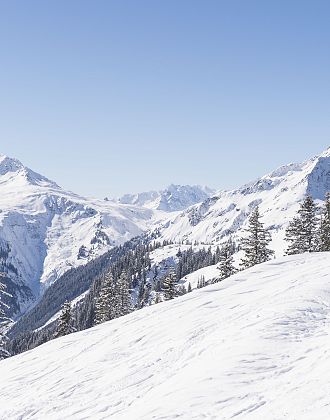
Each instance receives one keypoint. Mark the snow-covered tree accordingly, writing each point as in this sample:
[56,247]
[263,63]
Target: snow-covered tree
[302,230]
[255,244]
[105,302]
[226,261]
[169,285]
[4,321]
[324,233]
[65,323]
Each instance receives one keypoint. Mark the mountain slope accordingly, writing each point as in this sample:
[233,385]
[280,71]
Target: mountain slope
[255,346]
[278,195]
[173,198]
[44,230]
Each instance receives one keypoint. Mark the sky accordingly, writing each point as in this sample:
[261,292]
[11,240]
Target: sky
[116,96]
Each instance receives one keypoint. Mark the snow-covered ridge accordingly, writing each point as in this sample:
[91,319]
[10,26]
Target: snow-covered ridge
[13,168]
[255,346]
[172,198]
[278,195]
[48,230]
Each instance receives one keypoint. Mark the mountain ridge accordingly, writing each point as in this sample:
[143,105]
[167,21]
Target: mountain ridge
[172,198]
[45,230]
[278,194]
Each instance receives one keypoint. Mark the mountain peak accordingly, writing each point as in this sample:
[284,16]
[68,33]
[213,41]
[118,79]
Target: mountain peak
[172,198]
[318,177]
[325,153]
[8,164]
[12,165]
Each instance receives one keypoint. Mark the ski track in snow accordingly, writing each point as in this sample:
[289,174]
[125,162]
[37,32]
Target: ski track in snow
[255,346]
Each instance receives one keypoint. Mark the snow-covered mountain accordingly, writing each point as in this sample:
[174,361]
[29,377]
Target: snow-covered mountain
[278,195]
[172,198]
[44,230]
[255,346]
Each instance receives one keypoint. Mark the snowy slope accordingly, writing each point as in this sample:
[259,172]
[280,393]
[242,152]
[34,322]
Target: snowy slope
[255,346]
[44,230]
[278,195]
[172,198]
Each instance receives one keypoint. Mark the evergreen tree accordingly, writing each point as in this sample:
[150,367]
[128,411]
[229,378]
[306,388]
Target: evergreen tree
[324,235]
[255,245]
[65,323]
[226,265]
[202,281]
[4,321]
[124,305]
[169,285]
[301,232]
[104,305]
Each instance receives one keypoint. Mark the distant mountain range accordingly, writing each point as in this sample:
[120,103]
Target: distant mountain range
[173,198]
[45,230]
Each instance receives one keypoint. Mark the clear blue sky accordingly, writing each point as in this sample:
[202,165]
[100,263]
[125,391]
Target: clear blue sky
[107,97]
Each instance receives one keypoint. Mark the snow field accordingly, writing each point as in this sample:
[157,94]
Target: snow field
[255,346]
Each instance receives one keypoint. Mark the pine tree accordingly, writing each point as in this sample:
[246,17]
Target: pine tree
[226,265]
[104,305]
[202,281]
[255,245]
[4,321]
[124,305]
[169,285]
[65,323]
[324,234]
[301,232]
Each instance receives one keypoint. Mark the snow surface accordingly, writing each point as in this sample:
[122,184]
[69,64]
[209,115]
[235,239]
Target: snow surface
[255,346]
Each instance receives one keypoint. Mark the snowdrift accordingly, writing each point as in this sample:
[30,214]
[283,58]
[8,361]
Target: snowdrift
[255,346]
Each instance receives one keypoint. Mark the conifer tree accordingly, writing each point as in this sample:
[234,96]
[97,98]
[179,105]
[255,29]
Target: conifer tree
[202,281]
[255,245]
[104,305]
[324,235]
[169,285]
[65,323]
[123,305]
[302,230]
[4,321]
[226,265]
